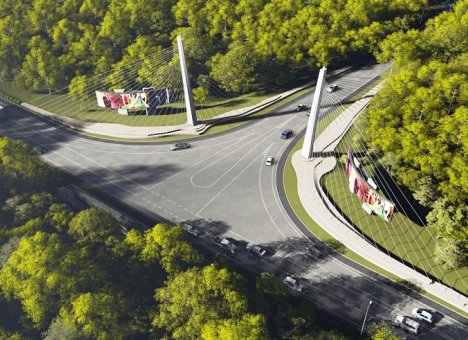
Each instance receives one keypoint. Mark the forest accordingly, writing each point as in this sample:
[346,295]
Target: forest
[418,125]
[236,43]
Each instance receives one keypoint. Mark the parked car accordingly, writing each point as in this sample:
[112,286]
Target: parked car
[332,88]
[293,283]
[255,250]
[313,251]
[286,134]
[407,324]
[269,161]
[225,244]
[180,146]
[192,229]
[301,107]
[423,314]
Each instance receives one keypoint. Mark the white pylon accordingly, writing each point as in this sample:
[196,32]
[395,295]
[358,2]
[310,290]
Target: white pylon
[308,146]
[190,108]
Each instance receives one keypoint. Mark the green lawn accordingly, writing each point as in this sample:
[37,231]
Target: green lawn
[404,237]
[171,114]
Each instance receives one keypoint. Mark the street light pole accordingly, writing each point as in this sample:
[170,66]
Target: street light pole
[365,317]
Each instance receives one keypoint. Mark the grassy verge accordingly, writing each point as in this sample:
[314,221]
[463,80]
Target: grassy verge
[290,184]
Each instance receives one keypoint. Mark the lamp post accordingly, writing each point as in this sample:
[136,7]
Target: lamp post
[365,317]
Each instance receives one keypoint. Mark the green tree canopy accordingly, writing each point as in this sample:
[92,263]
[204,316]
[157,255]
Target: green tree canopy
[196,298]
[31,276]
[93,226]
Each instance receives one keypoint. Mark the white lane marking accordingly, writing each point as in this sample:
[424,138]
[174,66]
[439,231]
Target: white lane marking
[227,185]
[259,139]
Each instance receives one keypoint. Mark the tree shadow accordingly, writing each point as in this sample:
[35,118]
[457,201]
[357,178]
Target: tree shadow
[401,196]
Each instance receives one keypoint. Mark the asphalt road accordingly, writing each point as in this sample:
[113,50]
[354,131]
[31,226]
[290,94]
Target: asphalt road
[221,184]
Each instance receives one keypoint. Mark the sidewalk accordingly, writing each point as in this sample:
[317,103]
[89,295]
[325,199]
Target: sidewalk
[317,205]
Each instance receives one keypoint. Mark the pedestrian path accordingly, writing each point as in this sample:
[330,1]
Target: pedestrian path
[323,212]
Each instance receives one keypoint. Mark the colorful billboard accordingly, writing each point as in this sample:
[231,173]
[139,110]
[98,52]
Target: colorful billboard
[143,100]
[372,200]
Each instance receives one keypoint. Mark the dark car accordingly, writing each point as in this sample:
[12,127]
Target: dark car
[301,107]
[180,146]
[286,134]
[332,88]
[191,229]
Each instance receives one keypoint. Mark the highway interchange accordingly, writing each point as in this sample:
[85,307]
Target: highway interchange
[221,185]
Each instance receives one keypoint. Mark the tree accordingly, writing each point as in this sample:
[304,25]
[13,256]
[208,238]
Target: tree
[20,168]
[449,221]
[426,194]
[197,297]
[381,331]
[249,327]
[450,253]
[169,246]
[59,330]
[97,315]
[200,94]
[235,70]
[59,216]
[31,276]
[41,67]
[94,225]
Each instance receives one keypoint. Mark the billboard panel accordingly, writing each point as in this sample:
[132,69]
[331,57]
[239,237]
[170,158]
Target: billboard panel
[143,100]
[372,200]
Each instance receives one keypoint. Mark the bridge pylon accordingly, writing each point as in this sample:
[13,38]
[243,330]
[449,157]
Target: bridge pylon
[189,106]
[308,146]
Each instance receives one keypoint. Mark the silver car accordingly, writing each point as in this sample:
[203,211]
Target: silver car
[255,250]
[180,146]
[293,283]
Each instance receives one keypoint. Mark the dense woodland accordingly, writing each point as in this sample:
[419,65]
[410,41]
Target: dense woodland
[419,124]
[68,274]
[240,44]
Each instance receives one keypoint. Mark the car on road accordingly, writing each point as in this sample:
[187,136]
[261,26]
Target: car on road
[407,324]
[423,314]
[225,243]
[293,283]
[255,250]
[269,161]
[180,146]
[301,107]
[286,134]
[192,229]
[313,251]
[332,88]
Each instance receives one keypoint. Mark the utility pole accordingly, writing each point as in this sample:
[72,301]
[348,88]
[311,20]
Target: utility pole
[365,317]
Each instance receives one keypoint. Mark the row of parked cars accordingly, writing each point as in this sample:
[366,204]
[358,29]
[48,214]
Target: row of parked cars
[412,326]
[226,244]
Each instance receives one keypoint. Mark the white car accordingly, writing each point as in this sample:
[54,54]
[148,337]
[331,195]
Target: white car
[191,229]
[255,250]
[332,88]
[423,314]
[293,283]
[269,161]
